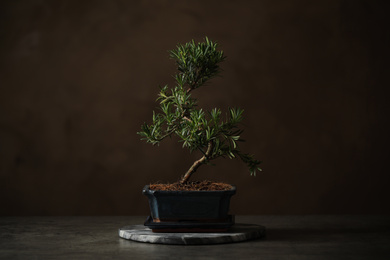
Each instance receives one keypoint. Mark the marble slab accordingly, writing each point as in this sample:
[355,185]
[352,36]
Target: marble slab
[238,233]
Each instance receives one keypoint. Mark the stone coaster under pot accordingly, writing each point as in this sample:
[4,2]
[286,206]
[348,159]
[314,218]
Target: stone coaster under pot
[238,233]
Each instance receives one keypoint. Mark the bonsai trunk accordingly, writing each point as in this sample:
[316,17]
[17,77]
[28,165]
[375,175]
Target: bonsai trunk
[197,163]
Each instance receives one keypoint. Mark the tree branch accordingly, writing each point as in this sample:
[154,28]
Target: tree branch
[198,163]
[168,133]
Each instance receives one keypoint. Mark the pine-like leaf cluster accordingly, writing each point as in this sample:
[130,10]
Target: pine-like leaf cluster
[208,132]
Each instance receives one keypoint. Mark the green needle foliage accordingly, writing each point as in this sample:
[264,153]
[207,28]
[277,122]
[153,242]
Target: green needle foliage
[208,132]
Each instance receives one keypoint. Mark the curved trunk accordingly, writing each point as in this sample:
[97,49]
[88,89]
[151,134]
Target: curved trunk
[197,163]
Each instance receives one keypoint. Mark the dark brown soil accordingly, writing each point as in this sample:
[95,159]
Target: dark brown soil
[191,186]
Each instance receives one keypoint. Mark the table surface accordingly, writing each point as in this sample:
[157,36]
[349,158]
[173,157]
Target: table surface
[288,237]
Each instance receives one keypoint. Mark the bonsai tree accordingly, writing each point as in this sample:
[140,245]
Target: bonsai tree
[207,132]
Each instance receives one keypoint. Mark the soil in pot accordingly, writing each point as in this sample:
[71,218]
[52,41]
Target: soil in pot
[205,185]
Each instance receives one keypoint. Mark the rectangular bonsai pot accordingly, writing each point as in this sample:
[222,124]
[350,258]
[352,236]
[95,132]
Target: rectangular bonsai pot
[189,205]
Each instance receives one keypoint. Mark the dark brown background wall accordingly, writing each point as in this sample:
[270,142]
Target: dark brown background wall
[78,78]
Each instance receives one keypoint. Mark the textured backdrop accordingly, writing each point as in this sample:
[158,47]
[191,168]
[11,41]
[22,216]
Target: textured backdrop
[78,78]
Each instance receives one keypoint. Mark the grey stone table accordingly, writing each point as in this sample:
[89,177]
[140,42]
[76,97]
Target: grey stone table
[237,233]
[288,237]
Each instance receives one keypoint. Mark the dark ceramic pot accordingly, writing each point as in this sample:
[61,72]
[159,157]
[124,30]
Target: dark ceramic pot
[189,205]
